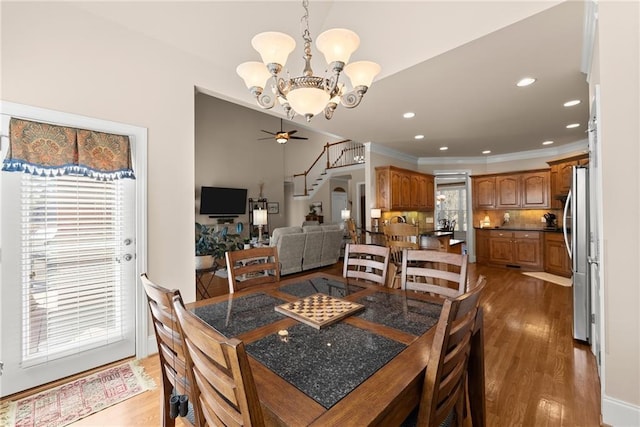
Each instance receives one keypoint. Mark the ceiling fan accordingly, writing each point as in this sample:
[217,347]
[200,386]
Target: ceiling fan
[282,137]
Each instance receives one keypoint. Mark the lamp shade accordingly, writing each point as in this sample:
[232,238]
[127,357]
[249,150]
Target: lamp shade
[337,44]
[307,101]
[273,47]
[253,73]
[362,73]
[260,216]
[345,214]
[376,213]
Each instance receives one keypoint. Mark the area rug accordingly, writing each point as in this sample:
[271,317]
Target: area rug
[548,277]
[77,399]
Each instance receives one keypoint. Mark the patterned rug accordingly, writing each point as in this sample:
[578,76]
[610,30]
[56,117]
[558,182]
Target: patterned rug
[77,399]
[552,278]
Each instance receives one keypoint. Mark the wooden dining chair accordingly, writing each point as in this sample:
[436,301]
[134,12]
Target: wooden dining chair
[225,392]
[401,231]
[170,343]
[434,272]
[396,249]
[366,262]
[251,267]
[444,397]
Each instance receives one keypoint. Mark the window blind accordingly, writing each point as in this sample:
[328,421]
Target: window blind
[72,284]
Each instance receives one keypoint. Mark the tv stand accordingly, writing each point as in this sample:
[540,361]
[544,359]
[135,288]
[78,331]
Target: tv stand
[224,220]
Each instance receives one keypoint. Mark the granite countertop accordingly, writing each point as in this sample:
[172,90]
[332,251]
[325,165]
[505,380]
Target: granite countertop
[543,229]
[436,233]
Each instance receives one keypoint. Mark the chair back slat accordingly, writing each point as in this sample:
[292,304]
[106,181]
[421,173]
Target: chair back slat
[170,342]
[225,393]
[434,272]
[445,376]
[252,267]
[366,262]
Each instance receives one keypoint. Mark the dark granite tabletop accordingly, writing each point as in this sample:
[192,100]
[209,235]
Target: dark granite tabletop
[325,364]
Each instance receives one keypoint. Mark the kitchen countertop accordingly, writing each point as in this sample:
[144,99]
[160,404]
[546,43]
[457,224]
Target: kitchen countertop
[543,229]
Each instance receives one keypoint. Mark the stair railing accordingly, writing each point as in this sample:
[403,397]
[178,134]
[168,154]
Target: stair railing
[334,155]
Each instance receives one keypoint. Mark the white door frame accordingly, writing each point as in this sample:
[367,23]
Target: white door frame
[138,138]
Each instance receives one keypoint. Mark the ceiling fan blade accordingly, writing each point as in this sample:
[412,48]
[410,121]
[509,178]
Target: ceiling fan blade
[291,132]
[260,139]
[297,137]
[266,131]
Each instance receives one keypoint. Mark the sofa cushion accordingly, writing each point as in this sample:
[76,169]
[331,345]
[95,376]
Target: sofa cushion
[278,232]
[311,258]
[312,228]
[290,249]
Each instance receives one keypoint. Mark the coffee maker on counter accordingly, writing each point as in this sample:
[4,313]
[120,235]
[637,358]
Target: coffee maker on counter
[550,218]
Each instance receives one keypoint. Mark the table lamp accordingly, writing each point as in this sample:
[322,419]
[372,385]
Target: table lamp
[260,219]
[375,215]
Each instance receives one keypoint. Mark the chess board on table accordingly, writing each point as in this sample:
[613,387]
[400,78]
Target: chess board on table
[319,310]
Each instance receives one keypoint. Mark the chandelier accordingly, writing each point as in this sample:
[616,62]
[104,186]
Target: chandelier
[307,95]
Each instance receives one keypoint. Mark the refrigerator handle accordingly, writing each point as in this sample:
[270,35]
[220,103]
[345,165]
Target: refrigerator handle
[564,224]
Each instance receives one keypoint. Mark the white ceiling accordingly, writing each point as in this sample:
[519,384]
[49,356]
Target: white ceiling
[454,64]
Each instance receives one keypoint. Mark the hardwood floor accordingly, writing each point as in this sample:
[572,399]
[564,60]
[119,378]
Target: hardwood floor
[536,374]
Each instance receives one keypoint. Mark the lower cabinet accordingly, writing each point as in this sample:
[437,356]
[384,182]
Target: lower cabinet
[529,250]
[556,258]
[510,248]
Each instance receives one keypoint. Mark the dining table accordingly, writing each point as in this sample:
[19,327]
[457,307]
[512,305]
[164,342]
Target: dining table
[366,368]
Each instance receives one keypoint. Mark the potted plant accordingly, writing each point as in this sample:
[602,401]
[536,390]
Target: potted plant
[208,246]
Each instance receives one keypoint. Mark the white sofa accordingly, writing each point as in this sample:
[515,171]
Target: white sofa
[304,248]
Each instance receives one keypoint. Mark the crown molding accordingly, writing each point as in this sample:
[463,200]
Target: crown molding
[390,152]
[581,145]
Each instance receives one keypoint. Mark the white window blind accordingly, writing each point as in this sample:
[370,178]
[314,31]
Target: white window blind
[72,293]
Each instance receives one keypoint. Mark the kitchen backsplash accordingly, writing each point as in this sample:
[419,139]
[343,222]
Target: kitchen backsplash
[529,218]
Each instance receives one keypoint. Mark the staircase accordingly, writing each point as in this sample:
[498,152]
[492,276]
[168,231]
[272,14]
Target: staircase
[339,156]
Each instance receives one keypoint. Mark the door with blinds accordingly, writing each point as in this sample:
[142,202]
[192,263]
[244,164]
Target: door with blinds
[68,276]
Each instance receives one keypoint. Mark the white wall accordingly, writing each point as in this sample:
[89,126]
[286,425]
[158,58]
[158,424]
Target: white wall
[617,72]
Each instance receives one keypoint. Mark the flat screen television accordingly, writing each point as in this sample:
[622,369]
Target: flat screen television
[219,201]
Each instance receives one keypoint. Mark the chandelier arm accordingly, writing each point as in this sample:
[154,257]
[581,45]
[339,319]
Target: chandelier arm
[353,98]
[329,109]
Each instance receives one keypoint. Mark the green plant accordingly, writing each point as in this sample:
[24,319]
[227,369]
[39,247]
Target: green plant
[208,242]
[216,243]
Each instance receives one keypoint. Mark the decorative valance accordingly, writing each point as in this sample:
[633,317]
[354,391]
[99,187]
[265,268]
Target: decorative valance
[50,150]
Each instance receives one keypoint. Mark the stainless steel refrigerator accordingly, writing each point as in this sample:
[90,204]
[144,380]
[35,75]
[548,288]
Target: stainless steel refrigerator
[576,236]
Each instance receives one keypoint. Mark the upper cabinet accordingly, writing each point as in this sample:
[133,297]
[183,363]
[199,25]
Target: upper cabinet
[524,190]
[561,177]
[402,189]
[484,192]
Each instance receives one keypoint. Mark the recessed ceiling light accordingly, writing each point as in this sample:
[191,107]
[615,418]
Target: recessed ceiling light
[419,137]
[572,103]
[409,115]
[444,148]
[525,82]
[547,143]
[486,152]
[573,125]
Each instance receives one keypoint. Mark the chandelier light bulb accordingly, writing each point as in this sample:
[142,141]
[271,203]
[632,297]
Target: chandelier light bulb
[254,74]
[337,44]
[273,47]
[362,73]
[308,101]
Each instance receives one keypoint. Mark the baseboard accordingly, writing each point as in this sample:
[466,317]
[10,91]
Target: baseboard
[618,413]
[152,345]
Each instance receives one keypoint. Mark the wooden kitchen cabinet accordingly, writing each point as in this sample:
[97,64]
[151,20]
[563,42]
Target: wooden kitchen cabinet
[556,258]
[524,190]
[482,246]
[535,190]
[510,248]
[403,190]
[508,191]
[484,192]
[561,177]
